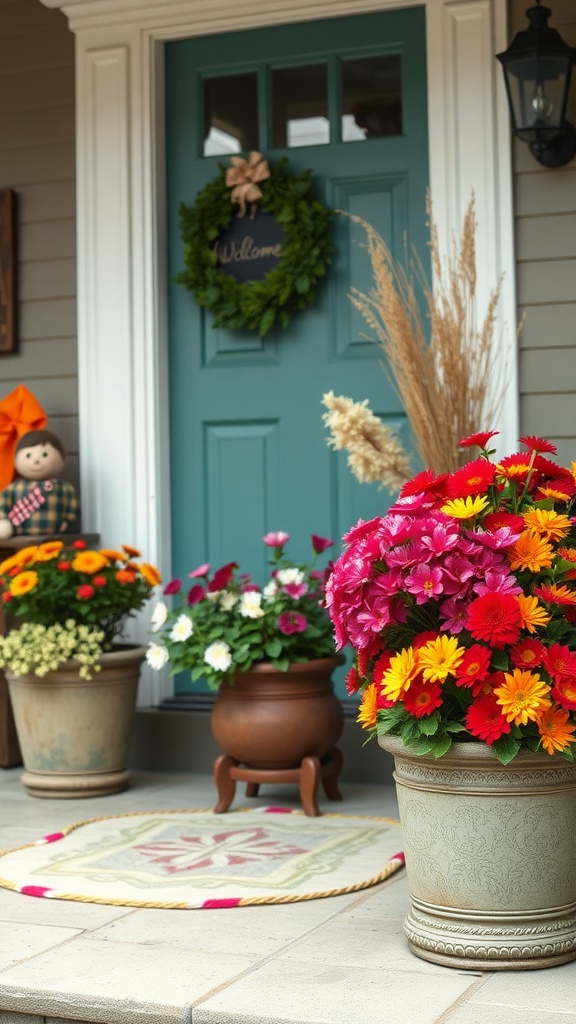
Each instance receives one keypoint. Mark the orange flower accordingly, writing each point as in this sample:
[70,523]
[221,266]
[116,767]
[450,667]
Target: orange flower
[89,561]
[555,731]
[23,583]
[532,614]
[20,558]
[523,696]
[49,550]
[150,574]
[531,552]
[547,523]
[368,710]
[113,556]
[131,552]
[124,576]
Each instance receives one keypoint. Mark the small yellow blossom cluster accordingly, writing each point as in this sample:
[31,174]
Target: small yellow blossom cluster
[34,649]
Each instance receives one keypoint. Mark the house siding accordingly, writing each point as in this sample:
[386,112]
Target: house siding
[545,238]
[37,160]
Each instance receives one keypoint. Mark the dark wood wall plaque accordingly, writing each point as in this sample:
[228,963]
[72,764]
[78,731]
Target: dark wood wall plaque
[250,247]
[8,269]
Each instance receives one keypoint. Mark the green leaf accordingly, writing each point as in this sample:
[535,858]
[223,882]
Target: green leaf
[506,748]
[499,661]
[273,648]
[429,725]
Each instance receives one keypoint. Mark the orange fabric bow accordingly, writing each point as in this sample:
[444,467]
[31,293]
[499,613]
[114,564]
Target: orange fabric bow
[242,178]
[20,412]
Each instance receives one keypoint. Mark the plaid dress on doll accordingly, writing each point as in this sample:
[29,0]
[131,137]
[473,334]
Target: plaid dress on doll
[39,506]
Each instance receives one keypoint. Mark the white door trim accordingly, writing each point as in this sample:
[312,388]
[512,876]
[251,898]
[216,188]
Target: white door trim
[122,324]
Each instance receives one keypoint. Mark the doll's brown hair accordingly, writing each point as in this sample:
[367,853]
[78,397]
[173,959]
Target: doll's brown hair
[34,437]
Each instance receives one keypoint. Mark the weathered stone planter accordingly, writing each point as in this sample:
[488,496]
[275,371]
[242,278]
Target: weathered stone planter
[490,856]
[74,734]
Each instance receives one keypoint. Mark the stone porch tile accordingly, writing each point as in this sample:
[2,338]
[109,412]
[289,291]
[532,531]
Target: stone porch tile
[21,941]
[477,1014]
[116,983]
[14,907]
[298,992]
[389,900]
[542,991]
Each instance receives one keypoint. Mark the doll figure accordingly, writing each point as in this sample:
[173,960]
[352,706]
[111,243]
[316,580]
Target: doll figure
[38,502]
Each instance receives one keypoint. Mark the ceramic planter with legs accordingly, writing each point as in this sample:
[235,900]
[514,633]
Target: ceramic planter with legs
[490,856]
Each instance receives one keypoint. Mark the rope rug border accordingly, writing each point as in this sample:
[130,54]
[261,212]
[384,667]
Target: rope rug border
[394,864]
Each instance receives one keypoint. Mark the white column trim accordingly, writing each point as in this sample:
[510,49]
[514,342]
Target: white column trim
[122,333]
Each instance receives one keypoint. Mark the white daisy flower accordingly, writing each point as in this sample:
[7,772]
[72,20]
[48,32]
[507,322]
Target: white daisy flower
[159,615]
[156,656]
[213,595]
[228,599]
[182,628]
[293,575]
[218,656]
[270,590]
[250,605]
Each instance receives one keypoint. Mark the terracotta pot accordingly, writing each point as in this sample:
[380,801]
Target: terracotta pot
[271,719]
[490,856]
[75,733]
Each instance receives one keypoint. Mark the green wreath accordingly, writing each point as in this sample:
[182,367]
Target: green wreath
[291,285]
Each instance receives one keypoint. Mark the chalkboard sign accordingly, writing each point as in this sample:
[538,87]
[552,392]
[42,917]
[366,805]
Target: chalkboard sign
[250,247]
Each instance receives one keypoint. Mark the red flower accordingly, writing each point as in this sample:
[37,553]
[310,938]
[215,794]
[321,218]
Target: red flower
[564,693]
[485,719]
[222,577]
[320,544]
[195,594]
[474,478]
[7,597]
[422,698]
[527,654]
[538,444]
[559,661]
[353,682]
[494,618]
[292,622]
[474,666]
[172,587]
[63,566]
[85,592]
[99,581]
[481,439]
[79,545]
[502,520]
[423,483]
[381,665]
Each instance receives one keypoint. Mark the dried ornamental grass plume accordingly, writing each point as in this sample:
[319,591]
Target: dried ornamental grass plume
[375,454]
[442,370]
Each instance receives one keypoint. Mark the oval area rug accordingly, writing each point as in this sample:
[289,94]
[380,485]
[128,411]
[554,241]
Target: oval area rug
[196,859]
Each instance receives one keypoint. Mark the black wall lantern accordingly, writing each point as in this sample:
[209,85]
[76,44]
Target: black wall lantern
[537,69]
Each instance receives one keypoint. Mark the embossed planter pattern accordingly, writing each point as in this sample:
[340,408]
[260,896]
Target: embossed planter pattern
[490,856]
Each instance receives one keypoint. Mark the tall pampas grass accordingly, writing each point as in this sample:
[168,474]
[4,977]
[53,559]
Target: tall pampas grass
[440,356]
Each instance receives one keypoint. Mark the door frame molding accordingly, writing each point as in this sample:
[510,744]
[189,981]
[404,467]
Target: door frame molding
[122,294]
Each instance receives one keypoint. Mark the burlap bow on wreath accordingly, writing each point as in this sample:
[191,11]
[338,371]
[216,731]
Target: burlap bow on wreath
[242,178]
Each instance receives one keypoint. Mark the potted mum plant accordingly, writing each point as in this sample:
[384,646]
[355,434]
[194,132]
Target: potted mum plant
[460,605]
[269,653]
[72,683]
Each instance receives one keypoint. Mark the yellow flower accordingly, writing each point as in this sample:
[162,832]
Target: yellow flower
[549,524]
[368,710]
[465,508]
[403,669]
[439,657]
[523,696]
[532,614]
[531,552]
[114,556]
[22,557]
[150,574]
[555,731]
[23,583]
[89,561]
[49,550]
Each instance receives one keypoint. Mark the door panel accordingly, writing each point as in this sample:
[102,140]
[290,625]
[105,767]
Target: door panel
[248,444]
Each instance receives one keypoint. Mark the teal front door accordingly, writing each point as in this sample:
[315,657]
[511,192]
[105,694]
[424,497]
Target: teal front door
[345,97]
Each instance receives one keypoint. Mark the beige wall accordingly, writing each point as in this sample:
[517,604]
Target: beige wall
[37,160]
[545,212]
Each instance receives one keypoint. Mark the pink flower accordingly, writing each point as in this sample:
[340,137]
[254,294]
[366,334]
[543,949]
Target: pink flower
[425,582]
[276,540]
[200,571]
[173,587]
[292,622]
[295,590]
[320,544]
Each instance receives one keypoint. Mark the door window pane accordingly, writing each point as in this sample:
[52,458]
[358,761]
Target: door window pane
[300,106]
[230,114]
[371,97]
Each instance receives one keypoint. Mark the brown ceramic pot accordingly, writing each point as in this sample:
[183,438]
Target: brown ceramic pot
[272,719]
